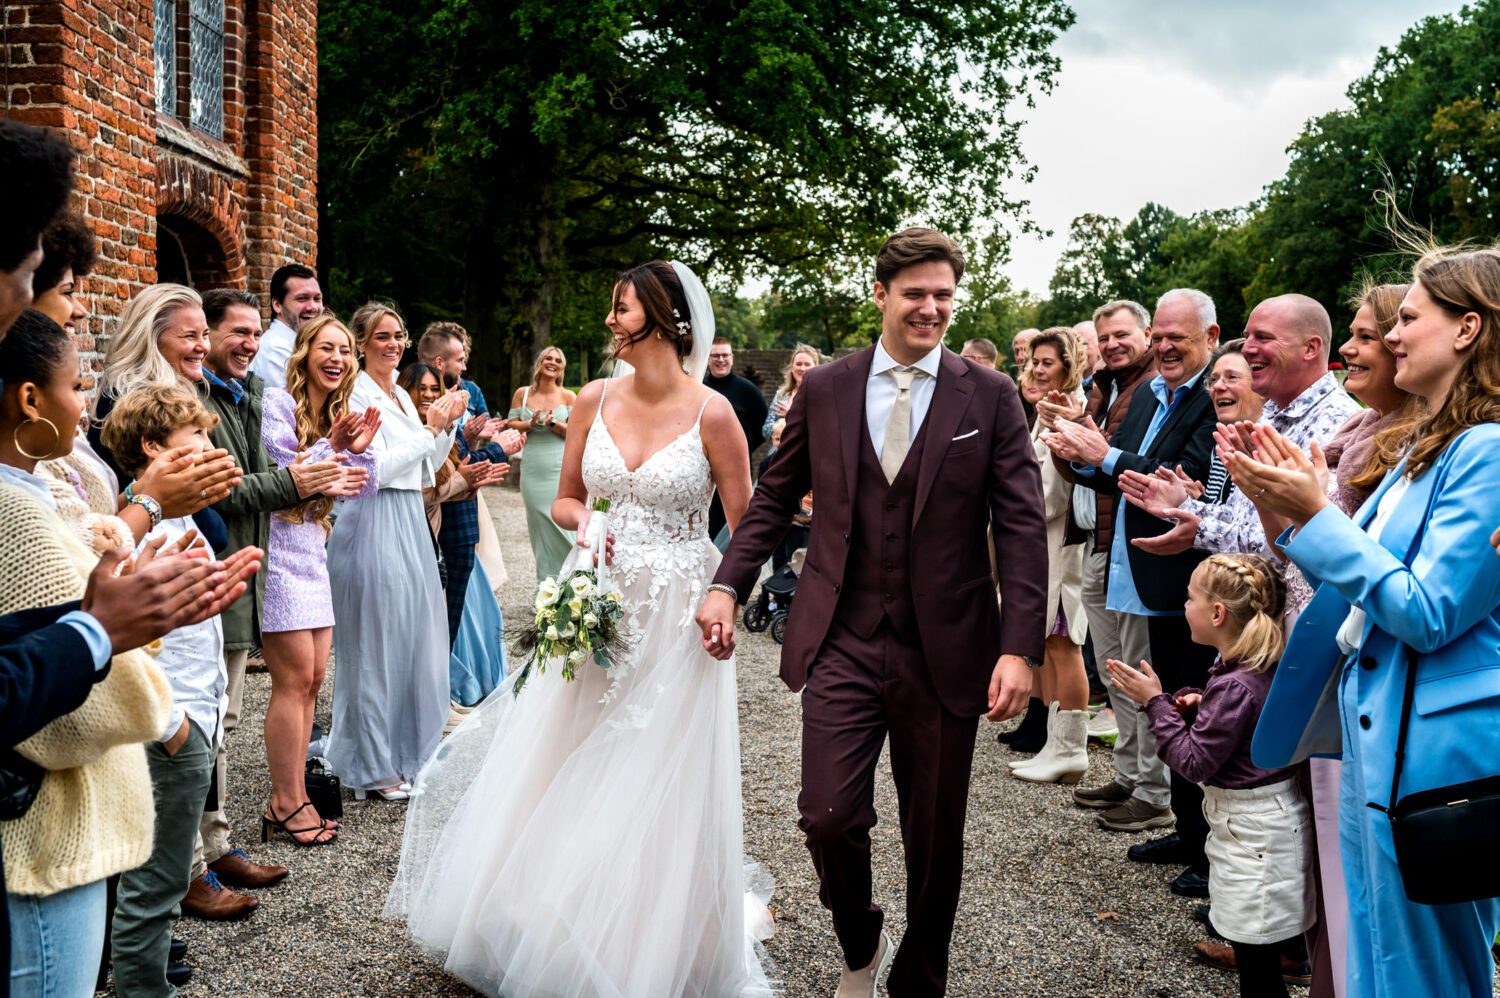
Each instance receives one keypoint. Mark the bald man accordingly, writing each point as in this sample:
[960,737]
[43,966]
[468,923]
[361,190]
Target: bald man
[1086,332]
[1020,348]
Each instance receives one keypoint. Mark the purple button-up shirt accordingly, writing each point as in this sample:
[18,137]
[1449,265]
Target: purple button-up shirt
[1215,748]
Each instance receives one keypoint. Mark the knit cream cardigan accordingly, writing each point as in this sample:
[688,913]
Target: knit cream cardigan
[94,814]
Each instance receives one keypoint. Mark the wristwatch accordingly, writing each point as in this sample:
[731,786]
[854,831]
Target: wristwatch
[1035,663]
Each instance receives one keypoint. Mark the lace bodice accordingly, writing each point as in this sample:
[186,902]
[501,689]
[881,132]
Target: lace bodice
[664,501]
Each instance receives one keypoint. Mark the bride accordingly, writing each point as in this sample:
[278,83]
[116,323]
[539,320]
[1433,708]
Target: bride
[584,838]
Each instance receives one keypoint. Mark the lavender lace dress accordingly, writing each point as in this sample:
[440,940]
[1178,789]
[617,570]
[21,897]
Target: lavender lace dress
[297,593]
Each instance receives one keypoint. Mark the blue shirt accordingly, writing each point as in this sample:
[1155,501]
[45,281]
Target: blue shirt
[1122,595]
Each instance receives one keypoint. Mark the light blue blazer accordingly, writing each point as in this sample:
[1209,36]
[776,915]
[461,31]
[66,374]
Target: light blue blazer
[1446,607]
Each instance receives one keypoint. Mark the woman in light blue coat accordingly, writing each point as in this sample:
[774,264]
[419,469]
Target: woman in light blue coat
[1411,570]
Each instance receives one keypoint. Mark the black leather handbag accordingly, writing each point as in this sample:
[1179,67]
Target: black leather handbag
[20,782]
[1444,837]
[324,790]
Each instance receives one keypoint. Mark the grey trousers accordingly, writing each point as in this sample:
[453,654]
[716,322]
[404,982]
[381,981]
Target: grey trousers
[1123,636]
[149,896]
[213,830]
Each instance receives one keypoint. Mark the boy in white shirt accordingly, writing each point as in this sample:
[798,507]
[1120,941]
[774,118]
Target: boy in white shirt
[147,421]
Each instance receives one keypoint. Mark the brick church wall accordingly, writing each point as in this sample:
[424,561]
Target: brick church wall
[238,207]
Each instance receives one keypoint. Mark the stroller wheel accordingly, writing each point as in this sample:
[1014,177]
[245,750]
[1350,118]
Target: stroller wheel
[778,629]
[757,616]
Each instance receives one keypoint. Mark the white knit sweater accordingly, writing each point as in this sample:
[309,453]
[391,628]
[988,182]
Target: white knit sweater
[94,814]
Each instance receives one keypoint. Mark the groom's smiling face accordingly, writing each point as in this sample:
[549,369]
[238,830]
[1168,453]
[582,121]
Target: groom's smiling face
[917,306]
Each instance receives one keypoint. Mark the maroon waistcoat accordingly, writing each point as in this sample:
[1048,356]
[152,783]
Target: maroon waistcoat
[877,583]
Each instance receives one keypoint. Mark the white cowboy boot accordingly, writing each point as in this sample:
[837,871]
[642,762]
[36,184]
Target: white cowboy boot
[1046,748]
[1069,757]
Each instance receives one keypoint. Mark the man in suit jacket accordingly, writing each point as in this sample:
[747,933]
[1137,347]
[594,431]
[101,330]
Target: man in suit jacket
[1170,423]
[912,453]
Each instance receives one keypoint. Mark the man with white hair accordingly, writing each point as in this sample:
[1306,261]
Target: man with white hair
[1170,423]
[1089,335]
[1020,348]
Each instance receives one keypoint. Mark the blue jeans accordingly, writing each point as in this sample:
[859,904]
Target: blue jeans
[56,942]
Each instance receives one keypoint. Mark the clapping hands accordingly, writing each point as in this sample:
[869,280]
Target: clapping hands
[1278,477]
[1080,442]
[1139,685]
[1162,494]
[354,431]
[478,474]
[1055,407]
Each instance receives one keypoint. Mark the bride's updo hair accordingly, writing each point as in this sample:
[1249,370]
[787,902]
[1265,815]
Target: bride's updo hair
[662,299]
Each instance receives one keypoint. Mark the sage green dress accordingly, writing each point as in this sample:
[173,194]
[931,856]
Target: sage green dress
[541,467]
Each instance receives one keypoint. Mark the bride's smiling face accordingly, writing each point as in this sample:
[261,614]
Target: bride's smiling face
[626,318]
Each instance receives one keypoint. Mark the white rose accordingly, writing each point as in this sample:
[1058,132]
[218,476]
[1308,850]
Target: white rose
[590,621]
[582,586]
[571,630]
[552,634]
[547,592]
[574,657]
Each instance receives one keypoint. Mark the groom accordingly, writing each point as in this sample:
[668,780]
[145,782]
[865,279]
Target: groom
[911,453]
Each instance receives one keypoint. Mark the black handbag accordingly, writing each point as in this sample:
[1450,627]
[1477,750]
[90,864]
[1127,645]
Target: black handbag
[324,790]
[20,782]
[1445,837]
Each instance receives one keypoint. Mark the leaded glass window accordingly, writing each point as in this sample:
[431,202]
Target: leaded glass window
[164,53]
[206,24]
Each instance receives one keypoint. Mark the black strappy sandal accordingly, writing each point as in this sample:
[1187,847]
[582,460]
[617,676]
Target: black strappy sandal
[268,826]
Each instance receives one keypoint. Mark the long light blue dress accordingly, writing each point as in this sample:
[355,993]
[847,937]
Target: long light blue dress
[390,633]
[477,663]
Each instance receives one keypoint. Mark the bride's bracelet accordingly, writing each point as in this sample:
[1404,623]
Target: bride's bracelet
[720,587]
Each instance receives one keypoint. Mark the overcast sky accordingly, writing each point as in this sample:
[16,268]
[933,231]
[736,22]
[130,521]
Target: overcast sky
[1189,104]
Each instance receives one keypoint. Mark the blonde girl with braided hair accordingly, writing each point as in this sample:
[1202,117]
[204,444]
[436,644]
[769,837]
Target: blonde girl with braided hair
[1259,825]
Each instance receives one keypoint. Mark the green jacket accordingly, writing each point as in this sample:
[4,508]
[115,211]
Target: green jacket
[247,509]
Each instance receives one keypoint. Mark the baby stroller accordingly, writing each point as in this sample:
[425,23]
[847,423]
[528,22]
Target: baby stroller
[775,600]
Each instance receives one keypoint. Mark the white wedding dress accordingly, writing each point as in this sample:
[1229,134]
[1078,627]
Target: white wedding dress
[585,838]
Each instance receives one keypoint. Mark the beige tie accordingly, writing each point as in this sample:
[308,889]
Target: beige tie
[898,429]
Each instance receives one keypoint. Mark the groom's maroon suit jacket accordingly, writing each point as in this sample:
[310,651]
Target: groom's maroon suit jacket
[978,469]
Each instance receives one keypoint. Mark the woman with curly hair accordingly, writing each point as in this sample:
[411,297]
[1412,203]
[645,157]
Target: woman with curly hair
[311,415]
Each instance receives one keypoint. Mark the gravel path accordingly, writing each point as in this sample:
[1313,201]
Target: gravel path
[1050,905]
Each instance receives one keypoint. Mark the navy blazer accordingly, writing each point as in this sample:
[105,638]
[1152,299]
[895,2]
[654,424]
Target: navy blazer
[1186,438]
[46,671]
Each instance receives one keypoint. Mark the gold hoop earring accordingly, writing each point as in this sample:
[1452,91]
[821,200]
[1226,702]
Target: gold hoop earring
[15,439]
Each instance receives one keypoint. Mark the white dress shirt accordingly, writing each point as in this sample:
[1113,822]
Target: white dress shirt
[406,453]
[275,350]
[193,659]
[880,392]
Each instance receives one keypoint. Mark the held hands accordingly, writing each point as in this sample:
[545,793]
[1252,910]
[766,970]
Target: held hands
[1055,407]
[1010,688]
[582,538]
[354,431]
[1279,477]
[1078,442]
[1138,686]
[715,618]
[185,482]
[478,474]
[155,594]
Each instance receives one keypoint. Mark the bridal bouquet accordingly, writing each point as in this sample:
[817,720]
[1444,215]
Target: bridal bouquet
[577,615]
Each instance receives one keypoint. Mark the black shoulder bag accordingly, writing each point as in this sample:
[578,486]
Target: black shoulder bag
[1445,837]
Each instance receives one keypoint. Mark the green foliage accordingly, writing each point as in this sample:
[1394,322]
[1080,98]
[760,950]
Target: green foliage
[499,162]
[1424,124]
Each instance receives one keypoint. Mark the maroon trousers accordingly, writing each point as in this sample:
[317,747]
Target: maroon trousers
[859,691]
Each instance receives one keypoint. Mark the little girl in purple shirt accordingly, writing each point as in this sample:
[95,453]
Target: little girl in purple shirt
[1259,842]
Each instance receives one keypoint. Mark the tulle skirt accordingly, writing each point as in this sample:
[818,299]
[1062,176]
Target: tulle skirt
[585,838]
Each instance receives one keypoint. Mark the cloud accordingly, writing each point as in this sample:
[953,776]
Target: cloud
[1188,104]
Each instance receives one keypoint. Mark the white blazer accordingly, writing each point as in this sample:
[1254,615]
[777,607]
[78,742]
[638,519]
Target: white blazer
[406,452]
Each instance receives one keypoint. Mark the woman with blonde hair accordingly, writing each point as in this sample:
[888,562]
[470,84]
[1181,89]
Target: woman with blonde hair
[1405,615]
[312,415]
[162,340]
[390,695]
[541,410]
[1057,365]
[804,359]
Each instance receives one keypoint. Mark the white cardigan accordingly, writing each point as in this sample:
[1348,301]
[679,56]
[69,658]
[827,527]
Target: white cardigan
[406,453]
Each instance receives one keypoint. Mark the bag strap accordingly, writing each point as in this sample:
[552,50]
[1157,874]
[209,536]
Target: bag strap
[1409,695]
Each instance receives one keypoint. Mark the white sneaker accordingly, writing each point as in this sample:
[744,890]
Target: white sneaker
[1103,724]
[862,983]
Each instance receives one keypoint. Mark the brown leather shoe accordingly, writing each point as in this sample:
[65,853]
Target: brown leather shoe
[1221,955]
[236,869]
[207,898]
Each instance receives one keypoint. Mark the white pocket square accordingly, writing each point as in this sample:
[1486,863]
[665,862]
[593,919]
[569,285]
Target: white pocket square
[965,436]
